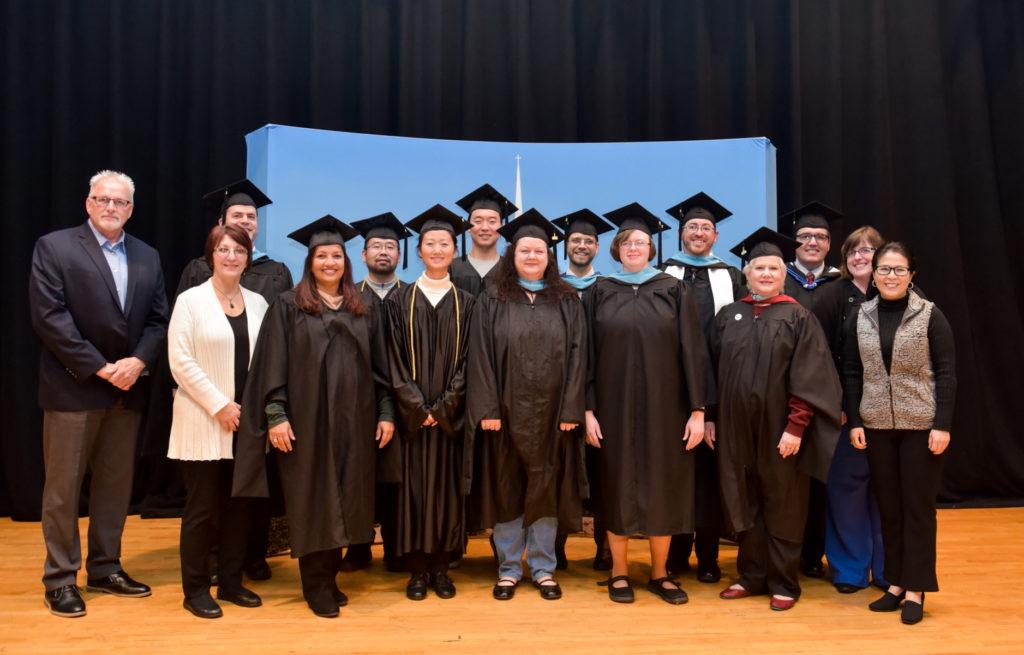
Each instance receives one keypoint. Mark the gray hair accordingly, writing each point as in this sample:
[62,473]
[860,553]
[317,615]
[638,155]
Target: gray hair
[117,175]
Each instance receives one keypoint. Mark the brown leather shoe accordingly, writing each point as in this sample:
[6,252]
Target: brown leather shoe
[732,594]
[781,604]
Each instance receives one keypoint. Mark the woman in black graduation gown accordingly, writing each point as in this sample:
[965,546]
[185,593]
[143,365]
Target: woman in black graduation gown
[428,325]
[317,392]
[647,388]
[526,392]
[777,423]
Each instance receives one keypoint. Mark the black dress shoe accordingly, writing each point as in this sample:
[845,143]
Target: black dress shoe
[442,585]
[912,612]
[812,569]
[602,561]
[323,604]
[673,596]
[242,597]
[619,594]
[118,584]
[504,591]
[65,601]
[203,606]
[887,603]
[846,588]
[258,570]
[708,574]
[549,591]
[417,587]
[339,596]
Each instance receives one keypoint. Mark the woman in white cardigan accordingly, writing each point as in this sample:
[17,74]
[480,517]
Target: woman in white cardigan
[210,339]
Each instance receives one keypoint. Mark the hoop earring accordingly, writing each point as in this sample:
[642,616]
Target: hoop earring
[873,283]
[910,286]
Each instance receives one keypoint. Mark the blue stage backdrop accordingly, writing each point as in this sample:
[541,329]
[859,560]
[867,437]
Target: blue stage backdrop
[309,173]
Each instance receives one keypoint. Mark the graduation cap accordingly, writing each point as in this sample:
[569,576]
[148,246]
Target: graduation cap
[813,214]
[326,230]
[531,224]
[440,217]
[385,226]
[764,242]
[635,216]
[242,192]
[487,197]
[699,205]
[582,221]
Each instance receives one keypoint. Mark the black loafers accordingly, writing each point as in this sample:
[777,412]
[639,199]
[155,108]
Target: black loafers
[912,612]
[242,597]
[619,594]
[323,604]
[442,585]
[673,595]
[65,601]
[708,574]
[203,606]
[887,603]
[339,596]
[119,583]
[417,587]
[504,592]
[846,588]
[549,591]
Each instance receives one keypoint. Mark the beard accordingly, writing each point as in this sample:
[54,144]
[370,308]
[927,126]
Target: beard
[378,269]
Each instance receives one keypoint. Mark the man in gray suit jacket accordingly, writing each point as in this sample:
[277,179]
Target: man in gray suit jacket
[99,307]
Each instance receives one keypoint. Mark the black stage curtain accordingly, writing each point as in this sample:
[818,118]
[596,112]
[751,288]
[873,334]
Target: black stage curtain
[906,114]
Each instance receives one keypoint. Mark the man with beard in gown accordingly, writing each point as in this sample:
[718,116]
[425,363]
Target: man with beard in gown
[778,415]
[713,284]
[526,390]
[428,333]
[317,391]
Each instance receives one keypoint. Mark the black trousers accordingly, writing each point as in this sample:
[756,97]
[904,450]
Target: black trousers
[906,477]
[212,518]
[767,563]
[814,529]
[421,562]
[706,541]
[317,571]
[386,514]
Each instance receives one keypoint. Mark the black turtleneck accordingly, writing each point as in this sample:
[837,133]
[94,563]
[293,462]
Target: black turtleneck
[890,313]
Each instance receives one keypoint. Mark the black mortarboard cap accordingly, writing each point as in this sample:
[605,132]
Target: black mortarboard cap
[813,214]
[487,197]
[635,216]
[323,231]
[531,223]
[765,241]
[699,205]
[385,226]
[437,217]
[242,192]
[582,221]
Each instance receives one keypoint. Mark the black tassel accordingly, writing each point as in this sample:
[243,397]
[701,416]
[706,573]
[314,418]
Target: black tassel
[680,247]
[659,247]
[405,253]
[463,245]
[565,250]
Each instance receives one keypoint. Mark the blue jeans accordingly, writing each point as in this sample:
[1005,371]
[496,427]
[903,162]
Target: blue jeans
[511,538]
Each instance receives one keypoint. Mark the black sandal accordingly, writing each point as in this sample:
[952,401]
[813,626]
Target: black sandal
[504,591]
[619,594]
[673,596]
[548,591]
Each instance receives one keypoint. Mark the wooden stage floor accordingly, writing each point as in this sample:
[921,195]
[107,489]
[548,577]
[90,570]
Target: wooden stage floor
[980,608]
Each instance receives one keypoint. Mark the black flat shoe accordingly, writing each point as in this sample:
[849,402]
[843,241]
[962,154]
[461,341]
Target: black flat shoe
[242,597]
[258,570]
[65,601]
[619,594]
[119,583]
[912,612]
[846,588]
[887,603]
[417,587]
[813,569]
[708,574]
[203,606]
[339,596]
[504,591]
[549,591]
[673,596]
[442,585]
[324,605]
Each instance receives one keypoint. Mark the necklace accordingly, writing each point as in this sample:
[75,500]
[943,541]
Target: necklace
[231,298]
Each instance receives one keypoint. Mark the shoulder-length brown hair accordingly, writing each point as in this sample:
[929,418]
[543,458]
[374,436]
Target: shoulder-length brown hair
[308,300]
[623,236]
[217,234]
[506,280]
[864,233]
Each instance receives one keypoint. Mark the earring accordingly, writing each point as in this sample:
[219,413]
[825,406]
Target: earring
[873,283]
[910,286]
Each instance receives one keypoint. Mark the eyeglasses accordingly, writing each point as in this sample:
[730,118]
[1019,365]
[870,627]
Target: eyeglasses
[224,251]
[630,245]
[103,201]
[382,247]
[703,229]
[863,252]
[807,238]
[582,241]
[898,271]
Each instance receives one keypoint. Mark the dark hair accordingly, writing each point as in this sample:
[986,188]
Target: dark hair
[506,279]
[217,234]
[308,300]
[863,233]
[897,247]
[622,236]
